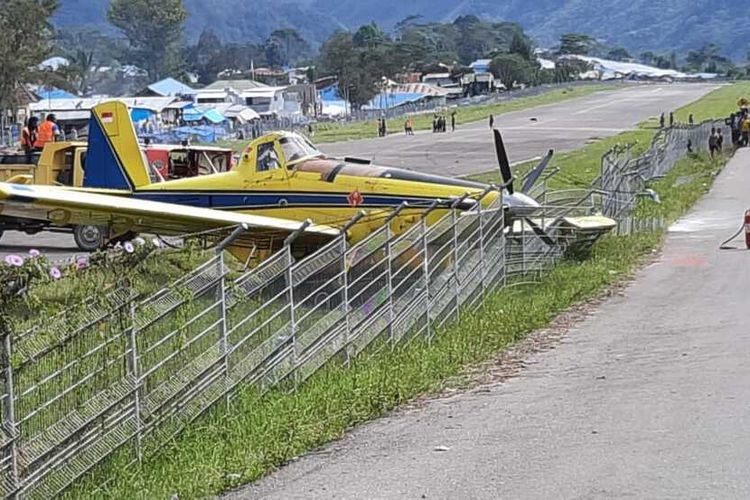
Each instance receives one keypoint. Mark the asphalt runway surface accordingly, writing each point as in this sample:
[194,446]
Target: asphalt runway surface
[646,398]
[563,126]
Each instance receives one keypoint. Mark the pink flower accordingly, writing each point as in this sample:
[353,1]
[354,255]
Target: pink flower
[82,263]
[128,246]
[33,253]
[55,273]
[14,260]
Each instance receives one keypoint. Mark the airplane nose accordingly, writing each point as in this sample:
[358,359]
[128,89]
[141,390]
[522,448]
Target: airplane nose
[520,205]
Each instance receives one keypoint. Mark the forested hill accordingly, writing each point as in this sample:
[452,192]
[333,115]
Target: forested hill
[635,24]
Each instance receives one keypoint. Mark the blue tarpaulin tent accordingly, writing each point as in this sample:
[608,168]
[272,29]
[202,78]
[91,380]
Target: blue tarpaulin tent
[140,114]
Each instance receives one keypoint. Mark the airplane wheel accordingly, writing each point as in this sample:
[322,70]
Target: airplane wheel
[90,238]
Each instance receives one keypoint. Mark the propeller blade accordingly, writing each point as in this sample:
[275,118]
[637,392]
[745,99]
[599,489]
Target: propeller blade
[537,172]
[502,161]
[540,232]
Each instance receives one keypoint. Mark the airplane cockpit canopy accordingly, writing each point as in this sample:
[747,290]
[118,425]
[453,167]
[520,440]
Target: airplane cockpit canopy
[296,148]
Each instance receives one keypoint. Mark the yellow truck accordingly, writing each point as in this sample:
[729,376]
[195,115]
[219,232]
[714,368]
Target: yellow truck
[64,163]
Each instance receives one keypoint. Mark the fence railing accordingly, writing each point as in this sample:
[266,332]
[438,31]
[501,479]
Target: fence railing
[121,372]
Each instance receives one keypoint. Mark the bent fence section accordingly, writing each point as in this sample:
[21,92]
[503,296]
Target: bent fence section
[123,373]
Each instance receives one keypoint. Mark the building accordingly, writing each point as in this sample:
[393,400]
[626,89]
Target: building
[438,79]
[169,87]
[481,66]
[281,101]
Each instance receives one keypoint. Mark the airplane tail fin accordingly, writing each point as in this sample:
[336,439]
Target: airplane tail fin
[113,159]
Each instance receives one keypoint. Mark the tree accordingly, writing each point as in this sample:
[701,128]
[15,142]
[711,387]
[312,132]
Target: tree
[359,61]
[206,58]
[576,43]
[26,33]
[619,54]
[511,69]
[284,47]
[154,30]
[648,58]
[521,45]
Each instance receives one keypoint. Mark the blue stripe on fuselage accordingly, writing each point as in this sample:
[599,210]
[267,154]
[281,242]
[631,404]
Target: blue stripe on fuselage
[268,200]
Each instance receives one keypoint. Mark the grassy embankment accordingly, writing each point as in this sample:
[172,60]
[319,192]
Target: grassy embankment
[332,132]
[223,450]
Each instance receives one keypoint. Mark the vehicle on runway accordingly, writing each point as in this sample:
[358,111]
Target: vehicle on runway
[63,164]
[280,181]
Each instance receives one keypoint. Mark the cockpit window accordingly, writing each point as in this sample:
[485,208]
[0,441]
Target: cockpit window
[296,148]
[267,157]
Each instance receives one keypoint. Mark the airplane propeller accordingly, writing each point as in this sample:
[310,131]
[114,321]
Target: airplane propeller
[503,162]
[505,172]
[531,178]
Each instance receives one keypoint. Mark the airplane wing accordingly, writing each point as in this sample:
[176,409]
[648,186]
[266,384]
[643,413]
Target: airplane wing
[65,206]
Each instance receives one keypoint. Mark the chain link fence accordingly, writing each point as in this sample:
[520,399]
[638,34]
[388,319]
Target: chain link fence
[123,373]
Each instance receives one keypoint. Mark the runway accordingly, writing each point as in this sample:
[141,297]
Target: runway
[563,126]
[528,134]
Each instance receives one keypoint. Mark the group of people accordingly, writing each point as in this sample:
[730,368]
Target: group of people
[35,135]
[740,124]
[663,120]
[440,123]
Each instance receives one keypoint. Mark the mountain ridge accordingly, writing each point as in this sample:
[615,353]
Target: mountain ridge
[637,25]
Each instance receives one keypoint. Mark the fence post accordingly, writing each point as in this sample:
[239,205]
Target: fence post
[345,271]
[9,414]
[290,284]
[224,330]
[224,347]
[426,266]
[454,220]
[389,275]
[135,373]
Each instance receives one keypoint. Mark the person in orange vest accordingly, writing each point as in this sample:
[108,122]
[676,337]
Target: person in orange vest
[47,132]
[29,137]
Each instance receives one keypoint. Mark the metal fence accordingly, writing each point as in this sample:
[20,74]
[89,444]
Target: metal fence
[123,373]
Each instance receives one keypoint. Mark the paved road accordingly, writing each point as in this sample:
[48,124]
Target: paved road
[563,126]
[647,398]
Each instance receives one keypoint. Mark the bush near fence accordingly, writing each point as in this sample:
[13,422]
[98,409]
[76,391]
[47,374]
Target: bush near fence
[125,372]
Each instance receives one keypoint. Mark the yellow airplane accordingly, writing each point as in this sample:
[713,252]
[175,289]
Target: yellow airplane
[280,181]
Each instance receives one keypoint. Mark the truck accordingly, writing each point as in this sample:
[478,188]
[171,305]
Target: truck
[64,164]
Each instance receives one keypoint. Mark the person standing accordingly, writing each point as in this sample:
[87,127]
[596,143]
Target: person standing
[492,121]
[29,137]
[719,141]
[745,130]
[453,121]
[47,132]
[661,121]
[671,119]
[690,119]
[712,143]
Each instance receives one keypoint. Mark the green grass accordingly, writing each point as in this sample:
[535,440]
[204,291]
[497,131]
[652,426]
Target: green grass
[718,104]
[225,449]
[331,132]
[146,277]
[578,168]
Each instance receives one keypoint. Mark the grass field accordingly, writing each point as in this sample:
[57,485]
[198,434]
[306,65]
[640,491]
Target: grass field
[224,450]
[332,132]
